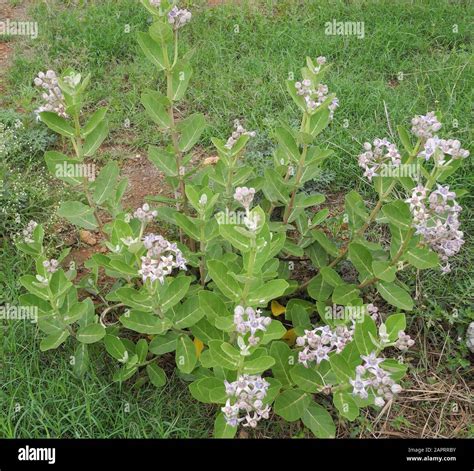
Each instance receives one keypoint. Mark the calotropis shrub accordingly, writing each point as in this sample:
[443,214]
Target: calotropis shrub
[212,296]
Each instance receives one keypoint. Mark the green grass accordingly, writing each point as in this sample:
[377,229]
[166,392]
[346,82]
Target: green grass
[240,73]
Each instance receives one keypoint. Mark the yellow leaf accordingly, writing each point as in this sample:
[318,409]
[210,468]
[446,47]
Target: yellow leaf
[290,337]
[277,308]
[199,346]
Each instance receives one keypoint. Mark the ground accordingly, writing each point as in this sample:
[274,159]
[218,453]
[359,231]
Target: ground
[407,65]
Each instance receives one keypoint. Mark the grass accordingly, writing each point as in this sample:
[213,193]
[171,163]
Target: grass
[410,62]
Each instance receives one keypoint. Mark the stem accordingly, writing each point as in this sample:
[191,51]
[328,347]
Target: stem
[202,249]
[250,268]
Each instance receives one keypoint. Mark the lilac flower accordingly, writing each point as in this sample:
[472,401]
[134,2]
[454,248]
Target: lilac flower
[178,17]
[436,219]
[52,94]
[321,341]
[51,265]
[28,232]
[425,126]
[404,341]
[239,130]
[244,196]
[144,214]
[314,96]
[437,149]
[249,321]
[247,394]
[161,258]
[383,153]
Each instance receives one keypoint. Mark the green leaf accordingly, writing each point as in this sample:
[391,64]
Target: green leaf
[361,258]
[395,295]
[398,213]
[270,290]
[212,305]
[346,405]
[96,138]
[115,348]
[145,323]
[259,365]
[185,354]
[222,429]
[318,121]
[53,341]
[180,77]
[318,289]
[91,333]
[63,167]
[307,379]
[341,368]
[104,186]
[394,324]
[219,273]
[94,121]
[188,313]
[188,224]
[165,343]
[57,124]
[319,421]
[153,51]
[331,277]
[291,404]
[164,161]
[78,214]
[81,359]
[364,332]
[422,258]
[174,292]
[384,271]
[191,129]
[345,294]
[405,139]
[275,188]
[156,106]
[284,360]
[328,245]
[161,32]
[288,143]
[275,331]
[156,374]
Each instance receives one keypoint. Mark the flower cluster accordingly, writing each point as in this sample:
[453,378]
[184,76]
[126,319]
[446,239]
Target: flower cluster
[249,320]
[179,17]
[239,130]
[436,219]
[404,341]
[425,126]
[381,154]
[161,258]
[144,214]
[445,147]
[315,96]
[249,392]
[371,375]
[321,60]
[28,232]
[52,94]
[373,310]
[51,265]
[321,341]
[244,196]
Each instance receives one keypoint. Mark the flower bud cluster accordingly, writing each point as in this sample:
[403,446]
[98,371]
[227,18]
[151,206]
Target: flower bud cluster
[247,395]
[371,375]
[179,17]
[404,341]
[373,311]
[28,232]
[321,341]
[161,258]
[436,219]
[250,321]
[382,153]
[425,126]
[51,265]
[244,196]
[445,147]
[239,130]
[313,97]
[52,93]
[144,214]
